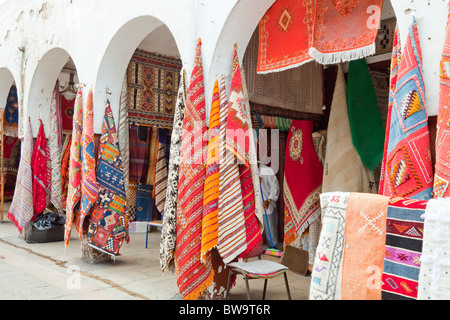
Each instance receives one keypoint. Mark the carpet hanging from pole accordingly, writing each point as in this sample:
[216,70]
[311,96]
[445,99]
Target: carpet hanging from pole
[108,227]
[193,275]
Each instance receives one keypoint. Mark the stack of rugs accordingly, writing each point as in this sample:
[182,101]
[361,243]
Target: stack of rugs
[375,247]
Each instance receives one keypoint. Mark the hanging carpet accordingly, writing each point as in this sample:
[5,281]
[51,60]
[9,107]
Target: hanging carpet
[55,155]
[285,35]
[193,276]
[153,80]
[395,62]
[65,162]
[343,169]
[11,160]
[211,192]
[366,123]
[11,114]
[302,181]
[108,226]
[168,229]
[254,237]
[403,249]
[326,276]
[89,185]
[124,132]
[21,209]
[74,188]
[345,30]
[408,170]
[442,166]
[40,163]
[365,231]
[161,172]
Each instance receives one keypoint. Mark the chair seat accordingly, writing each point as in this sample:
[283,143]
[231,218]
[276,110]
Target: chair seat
[259,268]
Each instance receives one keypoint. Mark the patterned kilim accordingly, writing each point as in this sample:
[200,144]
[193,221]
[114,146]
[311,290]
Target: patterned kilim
[211,192]
[89,185]
[365,238]
[168,229]
[409,168]
[140,139]
[109,223]
[232,233]
[65,162]
[403,249]
[74,189]
[11,114]
[152,82]
[395,62]
[40,163]
[253,232]
[21,209]
[55,156]
[343,169]
[193,276]
[434,275]
[326,276]
[160,178]
[344,30]
[442,166]
[285,35]
[144,202]
[301,196]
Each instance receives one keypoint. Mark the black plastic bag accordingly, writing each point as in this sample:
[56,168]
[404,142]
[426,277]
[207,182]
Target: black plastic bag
[48,227]
[48,221]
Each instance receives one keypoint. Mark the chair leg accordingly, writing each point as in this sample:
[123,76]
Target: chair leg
[227,296]
[287,286]
[264,290]
[247,287]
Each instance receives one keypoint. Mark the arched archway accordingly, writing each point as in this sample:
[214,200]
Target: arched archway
[50,69]
[141,32]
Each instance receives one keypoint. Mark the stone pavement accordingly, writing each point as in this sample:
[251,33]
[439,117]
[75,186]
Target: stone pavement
[49,271]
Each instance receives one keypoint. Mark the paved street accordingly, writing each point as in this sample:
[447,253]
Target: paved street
[49,271]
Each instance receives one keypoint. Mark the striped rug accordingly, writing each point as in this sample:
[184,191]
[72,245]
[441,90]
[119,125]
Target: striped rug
[253,232]
[193,276]
[211,192]
[160,178]
[74,189]
[55,156]
[21,209]
[231,228]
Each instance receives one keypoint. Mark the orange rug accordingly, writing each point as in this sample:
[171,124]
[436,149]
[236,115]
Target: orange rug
[345,30]
[284,35]
[365,236]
